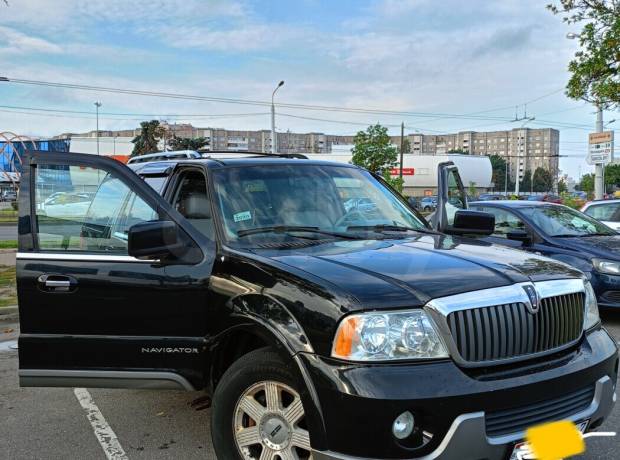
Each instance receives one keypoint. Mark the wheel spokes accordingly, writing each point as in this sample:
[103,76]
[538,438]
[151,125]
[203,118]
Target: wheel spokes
[272,396]
[294,412]
[248,436]
[301,439]
[252,408]
[267,454]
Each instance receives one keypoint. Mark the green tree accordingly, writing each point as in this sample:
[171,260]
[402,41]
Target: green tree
[562,187]
[187,143]
[594,69]
[373,151]
[498,166]
[148,139]
[542,181]
[526,183]
[459,150]
[586,184]
[612,177]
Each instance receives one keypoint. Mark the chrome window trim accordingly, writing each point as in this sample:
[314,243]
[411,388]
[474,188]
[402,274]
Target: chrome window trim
[439,309]
[81,257]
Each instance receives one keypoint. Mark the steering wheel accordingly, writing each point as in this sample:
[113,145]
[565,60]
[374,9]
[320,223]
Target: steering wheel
[349,217]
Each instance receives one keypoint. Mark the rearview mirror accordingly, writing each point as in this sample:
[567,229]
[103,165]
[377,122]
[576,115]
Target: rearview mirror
[472,223]
[519,235]
[153,240]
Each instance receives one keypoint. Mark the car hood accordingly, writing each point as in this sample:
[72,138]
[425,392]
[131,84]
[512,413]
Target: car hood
[607,246]
[412,271]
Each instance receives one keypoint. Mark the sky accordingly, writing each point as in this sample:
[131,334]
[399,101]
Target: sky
[481,60]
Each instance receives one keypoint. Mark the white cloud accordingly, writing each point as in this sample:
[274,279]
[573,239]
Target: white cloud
[15,42]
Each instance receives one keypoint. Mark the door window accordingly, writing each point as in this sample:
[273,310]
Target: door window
[85,209]
[456,196]
[192,202]
[607,211]
[505,221]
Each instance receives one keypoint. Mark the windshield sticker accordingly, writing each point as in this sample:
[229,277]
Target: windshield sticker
[241,216]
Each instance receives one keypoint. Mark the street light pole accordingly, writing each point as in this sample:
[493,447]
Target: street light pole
[599,186]
[273,118]
[97,105]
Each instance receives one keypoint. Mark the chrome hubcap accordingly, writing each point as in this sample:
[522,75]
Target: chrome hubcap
[269,424]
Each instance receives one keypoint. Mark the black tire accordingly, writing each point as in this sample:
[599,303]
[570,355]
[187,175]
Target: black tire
[427,208]
[256,366]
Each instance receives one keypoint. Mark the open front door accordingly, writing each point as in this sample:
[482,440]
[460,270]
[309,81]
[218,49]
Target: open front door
[451,196]
[90,313]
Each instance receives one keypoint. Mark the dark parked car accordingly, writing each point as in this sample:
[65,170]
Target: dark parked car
[547,198]
[563,234]
[490,197]
[319,332]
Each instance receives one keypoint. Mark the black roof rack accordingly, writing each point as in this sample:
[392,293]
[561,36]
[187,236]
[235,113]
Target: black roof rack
[262,154]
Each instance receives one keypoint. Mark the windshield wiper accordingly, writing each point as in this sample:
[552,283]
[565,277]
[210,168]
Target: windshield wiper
[293,228]
[575,235]
[388,228]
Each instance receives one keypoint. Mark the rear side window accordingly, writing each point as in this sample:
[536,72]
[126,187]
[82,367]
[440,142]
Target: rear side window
[85,209]
[608,211]
[505,221]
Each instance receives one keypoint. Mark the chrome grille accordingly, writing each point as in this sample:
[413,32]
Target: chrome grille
[503,332]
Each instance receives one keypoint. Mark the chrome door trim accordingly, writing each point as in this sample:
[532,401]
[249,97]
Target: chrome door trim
[81,257]
[103,379]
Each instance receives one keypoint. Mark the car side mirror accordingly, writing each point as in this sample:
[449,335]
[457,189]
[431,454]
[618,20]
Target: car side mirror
[519,235]
[468,222]
[155,239]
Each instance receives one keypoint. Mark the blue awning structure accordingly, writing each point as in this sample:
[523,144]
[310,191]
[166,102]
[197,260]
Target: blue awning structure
[9,163]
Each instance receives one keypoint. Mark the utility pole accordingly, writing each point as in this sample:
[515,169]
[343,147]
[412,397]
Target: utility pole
[525,119]
[273,119]
[97,105]
[599,167]
[402,147]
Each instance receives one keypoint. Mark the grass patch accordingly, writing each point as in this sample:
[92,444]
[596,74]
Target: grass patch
[8,294]
[8,244]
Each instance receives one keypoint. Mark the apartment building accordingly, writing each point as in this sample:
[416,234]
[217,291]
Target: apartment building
[523,148]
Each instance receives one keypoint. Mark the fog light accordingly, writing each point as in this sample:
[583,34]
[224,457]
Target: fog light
[403,425]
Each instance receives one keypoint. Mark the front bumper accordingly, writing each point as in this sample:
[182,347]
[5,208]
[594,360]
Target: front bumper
[357,403]
[467,437]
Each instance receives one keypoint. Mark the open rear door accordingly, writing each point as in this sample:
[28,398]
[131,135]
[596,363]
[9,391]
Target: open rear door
[451,196]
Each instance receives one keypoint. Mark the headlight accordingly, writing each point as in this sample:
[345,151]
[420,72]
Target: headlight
[592,317]
[606,266]
[388,336]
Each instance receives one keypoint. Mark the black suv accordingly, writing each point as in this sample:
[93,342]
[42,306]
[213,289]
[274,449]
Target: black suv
[321,330]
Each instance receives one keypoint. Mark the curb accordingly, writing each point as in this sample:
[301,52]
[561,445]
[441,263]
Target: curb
[6,311]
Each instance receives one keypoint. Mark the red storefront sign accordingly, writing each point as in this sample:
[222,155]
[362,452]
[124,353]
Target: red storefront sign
[406,171]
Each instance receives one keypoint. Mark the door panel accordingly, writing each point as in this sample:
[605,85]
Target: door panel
[118,313]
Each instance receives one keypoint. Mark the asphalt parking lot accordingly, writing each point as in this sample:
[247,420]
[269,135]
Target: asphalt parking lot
[63,423]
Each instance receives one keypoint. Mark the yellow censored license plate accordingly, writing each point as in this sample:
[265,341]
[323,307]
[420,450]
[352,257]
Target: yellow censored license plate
[551,441]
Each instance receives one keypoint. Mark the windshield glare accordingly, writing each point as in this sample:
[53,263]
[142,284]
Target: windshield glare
[563,221]
[330,198]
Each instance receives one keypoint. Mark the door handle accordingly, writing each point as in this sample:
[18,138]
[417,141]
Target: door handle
[57,283]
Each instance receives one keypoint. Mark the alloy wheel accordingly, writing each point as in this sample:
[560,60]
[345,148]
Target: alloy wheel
[269,423]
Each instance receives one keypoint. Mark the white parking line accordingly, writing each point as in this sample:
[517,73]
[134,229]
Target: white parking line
[104,433]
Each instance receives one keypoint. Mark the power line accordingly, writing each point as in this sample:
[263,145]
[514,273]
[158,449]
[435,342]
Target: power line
[246,101]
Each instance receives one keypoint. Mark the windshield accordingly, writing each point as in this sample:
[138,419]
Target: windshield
[563,221]
[329,201]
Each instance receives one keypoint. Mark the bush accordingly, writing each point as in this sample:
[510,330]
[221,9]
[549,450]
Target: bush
[14,205]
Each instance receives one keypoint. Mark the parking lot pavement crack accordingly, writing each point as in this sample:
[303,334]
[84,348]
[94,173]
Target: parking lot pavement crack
[103,431]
